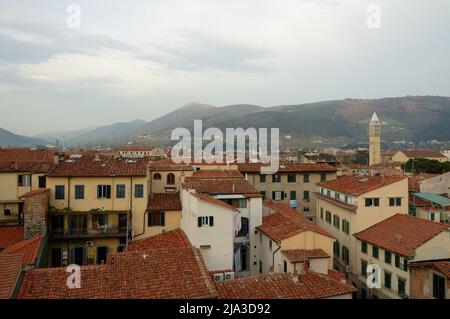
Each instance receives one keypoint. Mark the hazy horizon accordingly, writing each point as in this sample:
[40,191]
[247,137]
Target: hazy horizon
[141,60]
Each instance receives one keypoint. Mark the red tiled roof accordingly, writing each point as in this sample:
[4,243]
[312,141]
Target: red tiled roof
[336,274]
[171,239]
[217,186]
[283,286]
[10,268]
[222,174]
[35,192]
[286,222]
[28,248]
[412,232]
[423,153]
[214,201]
[442,266]
[137,148]
[89,166]
[168,164]
[164,202]
[25,160]
[289,167]
[153,274]
[299,255]
[10,235]
[356,186]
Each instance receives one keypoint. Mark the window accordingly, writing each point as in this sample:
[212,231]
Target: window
[120,191]
[277,195]
[264,194]
[401,286]
[395,201]
[372,202]
[432,216]
[276,178]
[293,195]
[7,212]
[103,191]
[323,177]
[79,191]
[170,179]
[387,257]
[336,221]
[270,244]
[345,226]
[397,261]
[328,193]
[375,252]
[156,219]
[438,286]
[285,266]
[123,221]
[364,247]
[336,248]
[23,180]
[59,192]
[321,213]
[337,196]
[291,178]
[42,182]
[100,220]
[138,191]
[306,195]
[387,280]
[305,178]
[262,178]
[345,255]
[157,176]
[205,221]
[328,217]
[363,267]
[405,264]
[346,199]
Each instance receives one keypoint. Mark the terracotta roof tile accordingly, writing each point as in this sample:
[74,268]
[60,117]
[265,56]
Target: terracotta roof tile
[286,222]
[89,166]
[412,232]
[299,255]
[25,160]
[356,186]
[221,174]
[35,192]
[137,148]
[28,248]
[171,239]
[10,235]
[10,268]
[442,266]
[416,153]
[164,202]
[324,286]
[289,167]
[168,164]
[214,201]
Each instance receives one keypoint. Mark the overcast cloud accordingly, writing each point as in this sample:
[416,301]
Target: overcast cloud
[142,59]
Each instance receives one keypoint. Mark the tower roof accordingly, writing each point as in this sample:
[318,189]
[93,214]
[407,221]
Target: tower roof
[374,117]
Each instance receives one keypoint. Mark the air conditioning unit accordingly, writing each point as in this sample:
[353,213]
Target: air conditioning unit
[229,276]
[90,243]
[218,277]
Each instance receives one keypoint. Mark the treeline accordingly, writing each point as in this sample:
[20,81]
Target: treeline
[423,165]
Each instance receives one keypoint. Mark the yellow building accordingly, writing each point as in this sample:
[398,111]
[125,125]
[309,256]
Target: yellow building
[374,140]
[351,204]
[97,203]
[392,245]
[21,170]
[153,152]
[403,156]
[294,183]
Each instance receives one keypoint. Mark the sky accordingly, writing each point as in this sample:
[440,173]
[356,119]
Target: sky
[117,60]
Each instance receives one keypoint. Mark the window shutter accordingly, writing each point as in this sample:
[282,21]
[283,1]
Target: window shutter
[273,195]
[108,191]
[199,221]
[163,218]
[98,190]
[211,221]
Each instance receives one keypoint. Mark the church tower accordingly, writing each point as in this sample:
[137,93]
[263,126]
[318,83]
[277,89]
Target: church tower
[374,140]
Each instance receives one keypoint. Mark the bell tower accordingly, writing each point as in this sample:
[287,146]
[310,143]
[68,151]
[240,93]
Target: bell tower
[374,140]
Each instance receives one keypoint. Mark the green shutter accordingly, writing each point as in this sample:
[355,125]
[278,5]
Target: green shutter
[211,221]
[199,221]
[163,218]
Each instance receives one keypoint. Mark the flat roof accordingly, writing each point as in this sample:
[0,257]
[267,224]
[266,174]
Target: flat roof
[438,199]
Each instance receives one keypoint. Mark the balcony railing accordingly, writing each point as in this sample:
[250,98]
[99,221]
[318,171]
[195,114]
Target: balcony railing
[101,231]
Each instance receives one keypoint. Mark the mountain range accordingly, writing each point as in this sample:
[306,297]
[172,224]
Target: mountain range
[415,119]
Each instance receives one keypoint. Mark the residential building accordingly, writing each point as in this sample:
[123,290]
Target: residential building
[430,279]
[392,245]
[133,151]
[430,206]
[293,184]
[21,170]
[289,242]
[403,156]
[349,205]
[96,203]
[437,184]
[374,140]
[221,211]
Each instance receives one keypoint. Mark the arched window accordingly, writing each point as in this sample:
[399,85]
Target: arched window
[157,176]
[170,179]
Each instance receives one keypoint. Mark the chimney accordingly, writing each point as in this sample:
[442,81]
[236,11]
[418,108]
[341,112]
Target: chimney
[295,276]
[398,239]
[56,159]
[35,211]
[270,270]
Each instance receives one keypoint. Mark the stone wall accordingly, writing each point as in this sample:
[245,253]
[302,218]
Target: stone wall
[35,211]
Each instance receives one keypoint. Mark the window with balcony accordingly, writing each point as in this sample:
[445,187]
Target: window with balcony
[99,221]
[57,224]
[345,255]
[103,191]
[77,224]
[243,232]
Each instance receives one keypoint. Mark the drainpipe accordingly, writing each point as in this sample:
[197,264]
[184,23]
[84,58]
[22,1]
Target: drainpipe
[273,256]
